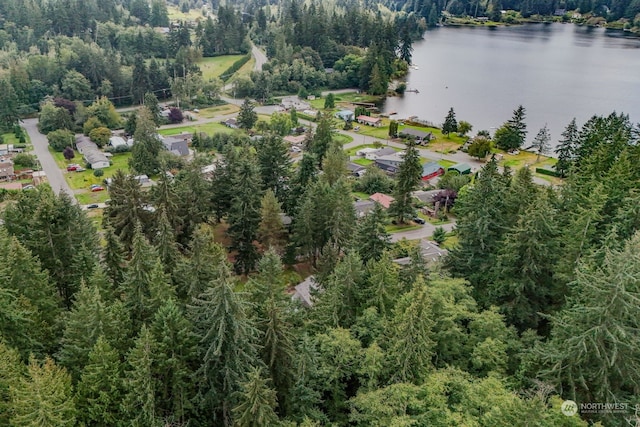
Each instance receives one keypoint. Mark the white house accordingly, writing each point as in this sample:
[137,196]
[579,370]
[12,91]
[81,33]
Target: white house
[118,141]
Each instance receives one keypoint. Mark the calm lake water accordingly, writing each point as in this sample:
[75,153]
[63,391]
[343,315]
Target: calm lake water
[556,71]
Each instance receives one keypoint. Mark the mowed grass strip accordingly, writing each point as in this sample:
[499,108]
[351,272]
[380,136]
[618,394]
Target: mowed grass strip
[213,67]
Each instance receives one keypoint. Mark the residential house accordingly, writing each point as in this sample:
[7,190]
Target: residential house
[461,168]
[6,169]
[231,123]
[11,186]
[118,141]
[430,251]
[304,289]
[372,155]
[390,163]
[91,153]
[38,177]
[383,199]
[177,144]
[363,207]
[356,169]
[295,139]
[369,121]
[426,196]
[346,115]
[142,179]
[431,170]
[418,135]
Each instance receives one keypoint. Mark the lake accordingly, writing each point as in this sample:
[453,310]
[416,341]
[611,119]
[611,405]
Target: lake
[556,71]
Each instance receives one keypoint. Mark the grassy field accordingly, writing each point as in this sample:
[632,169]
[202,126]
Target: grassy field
[354,150]
[214,67]
[83,180]
[342,139]
[89,197]
[220,110]
[208,128]
[176,15]
[439,143]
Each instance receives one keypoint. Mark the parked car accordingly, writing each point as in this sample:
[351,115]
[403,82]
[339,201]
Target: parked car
[295,149]
[96,188]
[28,187]
[92,206]
[72,168]
[419,220]
[79,169]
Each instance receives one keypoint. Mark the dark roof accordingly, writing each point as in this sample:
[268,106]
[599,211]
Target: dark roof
[393,168]
[354,167]
[304,289]
[363,207]
[425,196]
[385,151]
[177,146]
[417,133]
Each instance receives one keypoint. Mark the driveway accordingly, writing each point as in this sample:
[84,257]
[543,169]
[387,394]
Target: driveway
[260,57]
[426,231]
[49,166]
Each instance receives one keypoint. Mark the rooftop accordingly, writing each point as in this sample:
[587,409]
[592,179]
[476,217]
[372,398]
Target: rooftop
[303,291]
[384,199]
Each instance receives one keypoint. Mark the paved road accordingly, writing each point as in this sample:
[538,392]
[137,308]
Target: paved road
[260,57]
[41,148]
[426,231]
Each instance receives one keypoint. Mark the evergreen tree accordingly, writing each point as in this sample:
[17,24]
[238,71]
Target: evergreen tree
[8,106]
[151,102]
[393,129]
[382,287]
[590,354]
[227,347]
[127,208]
[22,278]
[113,258]
[304,177]
[275,165]
[334,165]
[450,123]
[256,402]
[271,232]
[481,214]
[541,143]
[99,391]
[174,356]
[44,397]
[371,238]
[247,117]
[139,404]
[410,343]
[525,286]
[11,372]
[145,285]
[89,319]
[329,102]
[322,138]
[566,150]
[244,216]
[139,80]
[147,146]
[511,135]
[165,244]
[408,179]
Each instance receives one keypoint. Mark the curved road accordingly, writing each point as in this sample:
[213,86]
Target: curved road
[260,57]
[49,166]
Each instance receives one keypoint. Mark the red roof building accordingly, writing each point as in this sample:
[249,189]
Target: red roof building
[384,199]
[369,121]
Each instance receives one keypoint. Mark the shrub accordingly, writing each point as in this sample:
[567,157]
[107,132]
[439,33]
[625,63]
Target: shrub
[98,173]
[91,124]
[26,160]
[550,172]
[100,136]
[439,235]
[60,139]
[68,153]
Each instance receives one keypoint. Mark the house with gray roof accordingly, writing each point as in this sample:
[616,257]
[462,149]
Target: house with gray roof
[91,153]
[304,289]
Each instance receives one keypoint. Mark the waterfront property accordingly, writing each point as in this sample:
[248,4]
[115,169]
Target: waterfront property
[369,121]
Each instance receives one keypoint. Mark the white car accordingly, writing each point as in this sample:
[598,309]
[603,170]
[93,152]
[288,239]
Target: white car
[295,149]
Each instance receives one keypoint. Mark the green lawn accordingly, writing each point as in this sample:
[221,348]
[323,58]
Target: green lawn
[363,162]
[214,67]
[342,139]
[220,110]
[391,228]
[208,128]
[83,180]
[446,163]
[359,195]
[89,197]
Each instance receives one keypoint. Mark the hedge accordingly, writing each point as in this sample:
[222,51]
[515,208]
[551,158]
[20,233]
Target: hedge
[549,172]
[226,75]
